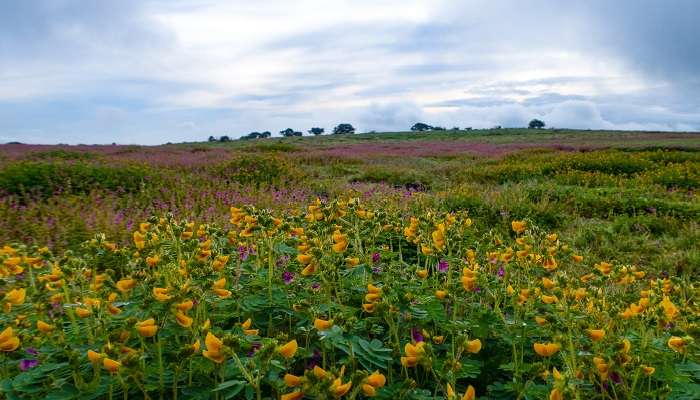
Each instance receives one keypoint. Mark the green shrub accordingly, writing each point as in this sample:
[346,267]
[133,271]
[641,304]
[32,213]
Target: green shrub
[43,179]
[261,170]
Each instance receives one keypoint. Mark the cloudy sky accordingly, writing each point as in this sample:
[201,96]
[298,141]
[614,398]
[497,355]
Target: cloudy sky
[140,71]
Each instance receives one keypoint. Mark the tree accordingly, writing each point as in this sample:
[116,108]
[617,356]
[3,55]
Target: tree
[343,129]
[224,139]
[439,128]
[536,124]
[251,135]
[212,139]
[316,131]
[289,132]
[265,134]
[420,127]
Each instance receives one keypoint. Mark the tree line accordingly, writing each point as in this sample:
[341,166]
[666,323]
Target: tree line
[345,128]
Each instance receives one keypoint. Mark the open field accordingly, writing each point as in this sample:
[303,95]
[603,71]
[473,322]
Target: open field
[512,263]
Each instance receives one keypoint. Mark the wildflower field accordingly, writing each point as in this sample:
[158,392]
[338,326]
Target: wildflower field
[505,264]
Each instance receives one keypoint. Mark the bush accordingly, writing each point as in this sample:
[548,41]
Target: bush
[43,179]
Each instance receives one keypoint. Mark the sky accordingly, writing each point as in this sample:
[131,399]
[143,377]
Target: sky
[157,71]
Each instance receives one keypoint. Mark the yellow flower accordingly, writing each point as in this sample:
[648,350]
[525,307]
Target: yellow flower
[339,389]
[474,346]
[185,305]
[518,226]
[648,370]
[670,310]
[214,346]
[548,283]
[218,288]
[308,270]
[340,247]
[16,296]
[555,394]
[111,365]
[676,343]
[292,380]
[220,262]
[422,273]
[540,320]
[183,320]
[319,372]
[470,394]
[292,396]
[322,324]
[83,312]
[139,240]
[413,354]
[161,294]
[43,326]
[304,259]
[288,349]
[596,334]
[440,294]
[548,299]
[147,328]
[376,379]
[368,307]
[450,392]
[93,356]
[352,261]
[546,349]
[126,284]
[8,341]
[153,260]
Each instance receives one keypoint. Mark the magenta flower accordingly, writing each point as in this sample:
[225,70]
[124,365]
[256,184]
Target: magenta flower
[443,266]
[27,364]
[376,257]
[288,277]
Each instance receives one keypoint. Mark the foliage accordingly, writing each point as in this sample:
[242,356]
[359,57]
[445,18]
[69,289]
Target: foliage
[315,300]
[343,129]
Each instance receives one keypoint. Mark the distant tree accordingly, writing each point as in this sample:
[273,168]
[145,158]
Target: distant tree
[420,127]
[536,124]
[289,132]
[439,128]
[497,127]
[316,131]
[455,128]
[468,128]
[343,129]
[251,135]
[224,139]
[212,139]
[265,134]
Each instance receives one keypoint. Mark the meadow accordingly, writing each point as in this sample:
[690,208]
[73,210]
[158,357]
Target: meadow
[494,264]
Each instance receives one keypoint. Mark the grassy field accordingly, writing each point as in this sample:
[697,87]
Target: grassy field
[500,264]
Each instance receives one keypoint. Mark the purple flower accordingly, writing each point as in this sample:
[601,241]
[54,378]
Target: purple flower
[243,253]
[315,286]
[376,270]
[501,271]
[376,257]
[615,377]
[32,351]
[26,364]
[476,289]
[254,348]
[443,266]
[314,360]
[288,277]
[20,276]
[416,335]
[282,260]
